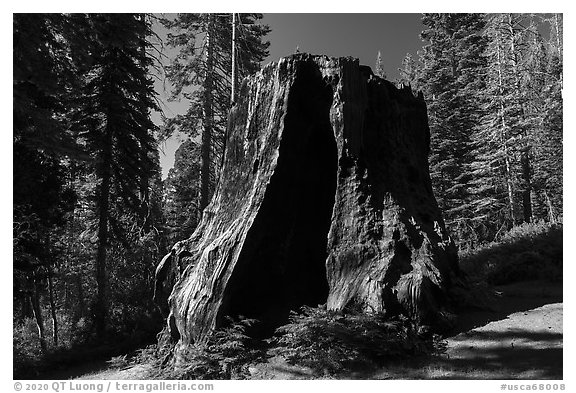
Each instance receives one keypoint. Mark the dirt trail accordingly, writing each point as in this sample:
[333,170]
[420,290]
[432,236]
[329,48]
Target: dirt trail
[525,345]
[521,338]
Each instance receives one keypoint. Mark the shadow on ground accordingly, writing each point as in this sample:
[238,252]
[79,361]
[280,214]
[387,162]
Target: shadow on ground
[512,354]
[520,338]
[509,299]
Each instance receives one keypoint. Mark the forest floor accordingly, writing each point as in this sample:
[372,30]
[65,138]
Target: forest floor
[520,338]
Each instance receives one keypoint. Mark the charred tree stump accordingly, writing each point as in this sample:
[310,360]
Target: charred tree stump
[324,197]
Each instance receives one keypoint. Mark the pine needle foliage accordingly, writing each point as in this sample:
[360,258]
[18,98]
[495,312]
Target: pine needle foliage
[493,87]
[201,74]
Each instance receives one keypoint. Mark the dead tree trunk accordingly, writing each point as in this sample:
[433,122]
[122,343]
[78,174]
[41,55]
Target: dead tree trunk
[324,197]
[37,308]
[526,185]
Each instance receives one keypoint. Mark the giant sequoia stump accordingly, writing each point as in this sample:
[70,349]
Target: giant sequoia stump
[324,197]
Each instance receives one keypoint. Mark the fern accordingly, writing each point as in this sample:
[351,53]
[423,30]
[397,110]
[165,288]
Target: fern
[226,355]
[326,341]
[331,342]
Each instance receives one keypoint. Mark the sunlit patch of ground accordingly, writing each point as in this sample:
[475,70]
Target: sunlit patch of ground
[140,371]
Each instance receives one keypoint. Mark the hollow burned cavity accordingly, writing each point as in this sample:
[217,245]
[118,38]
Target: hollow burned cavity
[282,263]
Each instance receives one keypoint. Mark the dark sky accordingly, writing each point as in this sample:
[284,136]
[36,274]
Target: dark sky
[356,35]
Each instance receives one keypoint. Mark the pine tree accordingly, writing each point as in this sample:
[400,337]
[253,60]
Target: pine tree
[451,74]
[517,32]
[379,68]
[533,81]
[43,77]
[201,72]
[79,78]
[117,97]
[42,143]
[409,73]
[516,137]
[550,153]
[506,135]
[493,87]
[181,193]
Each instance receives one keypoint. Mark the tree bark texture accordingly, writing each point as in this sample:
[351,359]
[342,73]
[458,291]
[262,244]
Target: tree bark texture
[324,198]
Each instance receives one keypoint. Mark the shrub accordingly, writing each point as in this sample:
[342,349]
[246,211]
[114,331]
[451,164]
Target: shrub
[330,342]
[28,357]
[25,346]
[527,252]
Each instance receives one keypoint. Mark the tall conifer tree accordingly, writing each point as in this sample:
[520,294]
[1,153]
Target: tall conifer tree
[117,97]
[452,71]
[201,72]
[504,164]
[182,193]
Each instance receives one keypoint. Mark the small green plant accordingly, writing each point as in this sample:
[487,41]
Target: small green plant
[332,342]
[326,341]
[119,362]
[226,355]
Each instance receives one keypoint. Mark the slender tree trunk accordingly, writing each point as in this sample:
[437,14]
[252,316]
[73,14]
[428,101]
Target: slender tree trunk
[233,93]
[504,140]
[101,310]
[208,117]
[525,154]
[37,308]
[27,311]
[551,214]
[527,186]
[52,306]
[66,299]
[70,240]
[558,30]
[49,278]
[144,176]
[508,174]
[145,201]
